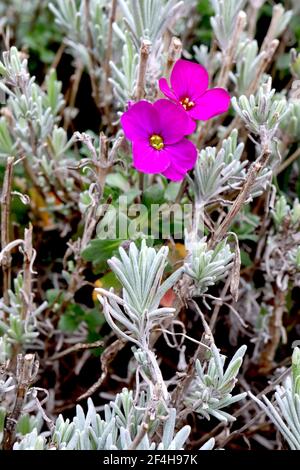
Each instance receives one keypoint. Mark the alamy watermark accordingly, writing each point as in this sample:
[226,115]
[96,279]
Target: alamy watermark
[124,220]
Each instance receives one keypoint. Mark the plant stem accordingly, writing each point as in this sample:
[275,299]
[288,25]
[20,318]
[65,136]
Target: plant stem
[270,50]
[141,434]
[72,93]
[27,273]
[26,372]
[218,305]
[5,238]
[108,55]
[228,58]
[254,170]
[142,69]
[103,165]
[93,62]
[200,353]
[174,54]
[252,14]
[266,360]
[288,161]
[277,14]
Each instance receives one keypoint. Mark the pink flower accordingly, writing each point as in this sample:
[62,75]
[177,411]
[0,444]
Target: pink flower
[157,133]
[189,82]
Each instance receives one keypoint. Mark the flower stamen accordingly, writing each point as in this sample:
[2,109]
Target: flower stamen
[157,142]
[187,103]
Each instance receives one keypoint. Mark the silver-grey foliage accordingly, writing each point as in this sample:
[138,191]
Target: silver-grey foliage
[219,173]
[125,46]
[140,273]
[262,112]
[285,412]
[34,132]
[121,423]
[207,266]
[223,22]
[211,389]
[248,60]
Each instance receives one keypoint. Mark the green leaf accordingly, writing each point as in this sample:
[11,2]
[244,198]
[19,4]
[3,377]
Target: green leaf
[70,320]
[68,323]
[54,295]
[153,195]
[110,280]
[172,191]
[116,180]
[24,425]
[99,251]
[94,318]
[245,259]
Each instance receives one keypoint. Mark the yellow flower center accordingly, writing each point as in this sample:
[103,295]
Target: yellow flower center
[187,103]
[156,142]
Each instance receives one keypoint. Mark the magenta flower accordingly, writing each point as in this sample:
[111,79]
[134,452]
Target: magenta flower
[157,133]
[189,82]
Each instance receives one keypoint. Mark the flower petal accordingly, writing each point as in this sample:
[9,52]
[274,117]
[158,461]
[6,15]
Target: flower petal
[174,121]
[149,160]
[183,156]
[173,174]
[189,79]
[213,102]
[192,124]
[166,90]
[140,121]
